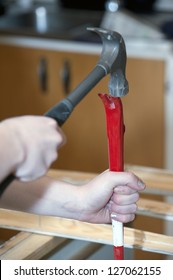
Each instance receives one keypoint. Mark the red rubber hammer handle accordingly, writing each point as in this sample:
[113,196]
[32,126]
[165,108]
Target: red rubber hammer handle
[115,131]
[115,134]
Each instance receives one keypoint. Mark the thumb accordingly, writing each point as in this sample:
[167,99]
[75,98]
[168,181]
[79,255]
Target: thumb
[113,179]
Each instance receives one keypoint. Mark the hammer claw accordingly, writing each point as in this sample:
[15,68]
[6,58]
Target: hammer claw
[113,60]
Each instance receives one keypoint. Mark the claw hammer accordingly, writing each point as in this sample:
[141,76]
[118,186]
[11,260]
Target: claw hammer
[112,60]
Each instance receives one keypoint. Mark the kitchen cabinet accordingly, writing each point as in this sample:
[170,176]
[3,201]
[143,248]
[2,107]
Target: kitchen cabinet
[22,93]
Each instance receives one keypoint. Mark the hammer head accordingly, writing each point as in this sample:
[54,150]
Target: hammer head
[113,60]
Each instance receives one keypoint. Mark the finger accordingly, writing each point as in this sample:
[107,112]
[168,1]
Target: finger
[124,190]
[123,178]
[50,157]
[54,124]
[124,218]
[119,209]
[125,199]
[64,139]
[50,121]
[58,136]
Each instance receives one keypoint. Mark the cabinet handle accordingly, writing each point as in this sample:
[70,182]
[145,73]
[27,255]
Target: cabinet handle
[66,77]
[42,73]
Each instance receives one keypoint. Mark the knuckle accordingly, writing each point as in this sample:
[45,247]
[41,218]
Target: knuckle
[118,199]
[128,218]
[131,176]
[133,208]
[136,197]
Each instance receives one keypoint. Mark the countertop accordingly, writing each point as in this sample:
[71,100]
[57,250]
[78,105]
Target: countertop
[62,29]
[50,21]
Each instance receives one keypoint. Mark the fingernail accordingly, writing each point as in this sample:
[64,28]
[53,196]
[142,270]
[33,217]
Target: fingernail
[113,216]
[141,184]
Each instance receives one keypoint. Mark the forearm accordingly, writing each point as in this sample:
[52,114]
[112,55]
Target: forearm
[10,152]
[44,196]
[110,192]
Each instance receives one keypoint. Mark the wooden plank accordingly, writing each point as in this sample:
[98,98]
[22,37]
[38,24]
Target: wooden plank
[76,177]
[29,246]
[6,234]
[98,233]
[156,209]
[158,181]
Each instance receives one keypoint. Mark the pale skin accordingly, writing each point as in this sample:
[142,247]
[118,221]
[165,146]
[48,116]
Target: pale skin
[28,146]
[109,192]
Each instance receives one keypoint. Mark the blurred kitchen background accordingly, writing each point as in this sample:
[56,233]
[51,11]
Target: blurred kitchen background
[46,50]
[145,17]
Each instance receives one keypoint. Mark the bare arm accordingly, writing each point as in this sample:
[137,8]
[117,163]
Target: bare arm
[93,202]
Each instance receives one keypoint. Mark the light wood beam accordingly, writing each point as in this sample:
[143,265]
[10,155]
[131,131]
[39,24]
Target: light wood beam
[98,233]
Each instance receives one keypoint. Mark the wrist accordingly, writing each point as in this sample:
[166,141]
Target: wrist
[65,199]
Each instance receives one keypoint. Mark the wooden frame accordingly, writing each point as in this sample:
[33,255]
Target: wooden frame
[54,230]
